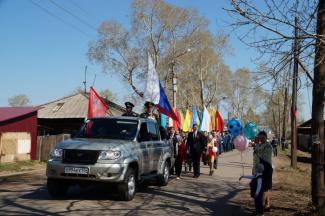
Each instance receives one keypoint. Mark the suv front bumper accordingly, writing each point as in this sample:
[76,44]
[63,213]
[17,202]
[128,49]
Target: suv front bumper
[97,172]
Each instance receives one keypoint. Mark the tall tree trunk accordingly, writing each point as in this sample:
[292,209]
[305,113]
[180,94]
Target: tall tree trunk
[317,126]
[279,123]
[284,123]
[274,123]
[294,99]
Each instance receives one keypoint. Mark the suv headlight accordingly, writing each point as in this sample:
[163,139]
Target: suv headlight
[109,155]
[56,154]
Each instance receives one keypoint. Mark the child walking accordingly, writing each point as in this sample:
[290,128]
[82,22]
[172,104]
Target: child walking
[256,187]
[180,156]
[210,154]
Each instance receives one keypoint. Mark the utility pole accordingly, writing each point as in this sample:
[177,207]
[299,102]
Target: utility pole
[317,120]
[174,80]
[285,112]
[85,81]
[294,99]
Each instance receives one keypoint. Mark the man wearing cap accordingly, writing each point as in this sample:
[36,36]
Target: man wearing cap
[129,106]
[148,111]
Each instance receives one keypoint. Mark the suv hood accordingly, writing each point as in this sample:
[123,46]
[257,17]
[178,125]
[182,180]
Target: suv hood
[93,144]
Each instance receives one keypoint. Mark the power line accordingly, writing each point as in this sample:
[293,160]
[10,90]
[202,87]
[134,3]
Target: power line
[73,15]
[60,19]
[84,11]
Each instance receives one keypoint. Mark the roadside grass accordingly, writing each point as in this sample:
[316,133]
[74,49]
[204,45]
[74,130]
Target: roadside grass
[20,166]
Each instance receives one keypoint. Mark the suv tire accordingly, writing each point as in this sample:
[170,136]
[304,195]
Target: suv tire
[57,188]
[164,177]
[128,186]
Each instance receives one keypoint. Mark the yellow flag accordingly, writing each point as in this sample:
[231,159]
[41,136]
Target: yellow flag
[187,121]
[212,112]
[182,119]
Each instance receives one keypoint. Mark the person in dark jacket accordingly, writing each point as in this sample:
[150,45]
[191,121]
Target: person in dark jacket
[129,107]
[196,146]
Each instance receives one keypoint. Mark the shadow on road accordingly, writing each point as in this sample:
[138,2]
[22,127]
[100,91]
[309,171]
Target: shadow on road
[193,198]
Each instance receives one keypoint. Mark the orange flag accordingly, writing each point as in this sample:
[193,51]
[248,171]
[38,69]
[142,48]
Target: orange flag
[96,106]
[219,123]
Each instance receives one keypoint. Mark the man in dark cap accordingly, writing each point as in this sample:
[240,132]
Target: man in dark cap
[148,113]
[129,106]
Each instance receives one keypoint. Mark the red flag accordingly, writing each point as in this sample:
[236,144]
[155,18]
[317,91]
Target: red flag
[219,123]
[96,106]
[177,124]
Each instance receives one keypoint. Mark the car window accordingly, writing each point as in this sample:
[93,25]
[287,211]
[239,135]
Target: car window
[153,131]
[106,128]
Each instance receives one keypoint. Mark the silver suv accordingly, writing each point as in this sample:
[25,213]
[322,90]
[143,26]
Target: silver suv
[116,150]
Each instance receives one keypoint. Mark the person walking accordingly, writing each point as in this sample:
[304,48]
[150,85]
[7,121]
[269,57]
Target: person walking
[210,154]
[205,138]
[180,155]
[195,145]
[217,141]
[256,187]
[274,144]
[263,155]
[171,136]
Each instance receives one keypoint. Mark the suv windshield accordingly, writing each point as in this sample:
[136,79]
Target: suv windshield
[109,129]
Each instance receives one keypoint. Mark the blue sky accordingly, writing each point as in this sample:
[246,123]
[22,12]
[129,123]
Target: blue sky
[44,58]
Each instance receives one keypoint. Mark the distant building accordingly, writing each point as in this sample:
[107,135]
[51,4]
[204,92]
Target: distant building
[18,133]
[67,114]
[304,136]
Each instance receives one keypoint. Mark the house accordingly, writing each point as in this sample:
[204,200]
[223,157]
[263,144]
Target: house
[304,136]
[18,133]
[67,114]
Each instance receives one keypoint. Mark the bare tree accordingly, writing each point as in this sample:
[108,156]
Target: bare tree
[270,27]
[20,100]
[163,30]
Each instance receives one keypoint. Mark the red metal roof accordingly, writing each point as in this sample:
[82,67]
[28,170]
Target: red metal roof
[7,113]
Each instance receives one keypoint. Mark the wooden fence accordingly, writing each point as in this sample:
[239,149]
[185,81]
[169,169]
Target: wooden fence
[46,143]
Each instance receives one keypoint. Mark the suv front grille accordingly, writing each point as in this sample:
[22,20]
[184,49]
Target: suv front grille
[74,156]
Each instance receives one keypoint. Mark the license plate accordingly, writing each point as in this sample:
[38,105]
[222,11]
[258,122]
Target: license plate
[76,170]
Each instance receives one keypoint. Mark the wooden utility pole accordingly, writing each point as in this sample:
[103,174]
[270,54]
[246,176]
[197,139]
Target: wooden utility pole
[317,121]
[294,99]
[285,113]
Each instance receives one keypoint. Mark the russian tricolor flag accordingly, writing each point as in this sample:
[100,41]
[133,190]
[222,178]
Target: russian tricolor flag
[154,92]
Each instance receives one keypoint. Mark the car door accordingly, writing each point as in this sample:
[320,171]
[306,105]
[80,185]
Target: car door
[156,148]
[144,145]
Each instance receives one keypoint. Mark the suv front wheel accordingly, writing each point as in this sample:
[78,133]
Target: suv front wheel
[128,186]
[164,177]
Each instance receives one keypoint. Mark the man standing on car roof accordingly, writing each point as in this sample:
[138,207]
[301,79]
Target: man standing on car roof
[129,106]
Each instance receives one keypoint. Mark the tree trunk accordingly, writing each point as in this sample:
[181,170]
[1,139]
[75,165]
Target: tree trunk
[284,123]
[317,127]
[294,100]
[274,123]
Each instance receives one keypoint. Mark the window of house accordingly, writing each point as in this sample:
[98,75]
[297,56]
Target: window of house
[57,107]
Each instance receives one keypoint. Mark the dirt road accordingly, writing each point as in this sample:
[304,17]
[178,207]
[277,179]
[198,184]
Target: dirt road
[207,195]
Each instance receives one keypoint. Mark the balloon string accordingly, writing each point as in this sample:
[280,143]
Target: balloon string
[241,159]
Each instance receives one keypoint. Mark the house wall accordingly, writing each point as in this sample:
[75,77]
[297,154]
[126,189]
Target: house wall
[26,123]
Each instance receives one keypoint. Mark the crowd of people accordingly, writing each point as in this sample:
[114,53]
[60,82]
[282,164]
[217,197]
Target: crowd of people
[190,148]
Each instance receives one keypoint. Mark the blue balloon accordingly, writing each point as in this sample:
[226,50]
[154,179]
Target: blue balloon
[250,130]
[235,127]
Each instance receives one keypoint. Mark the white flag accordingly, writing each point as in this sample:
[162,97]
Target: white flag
[152,90]
[205,124]
[170,122]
